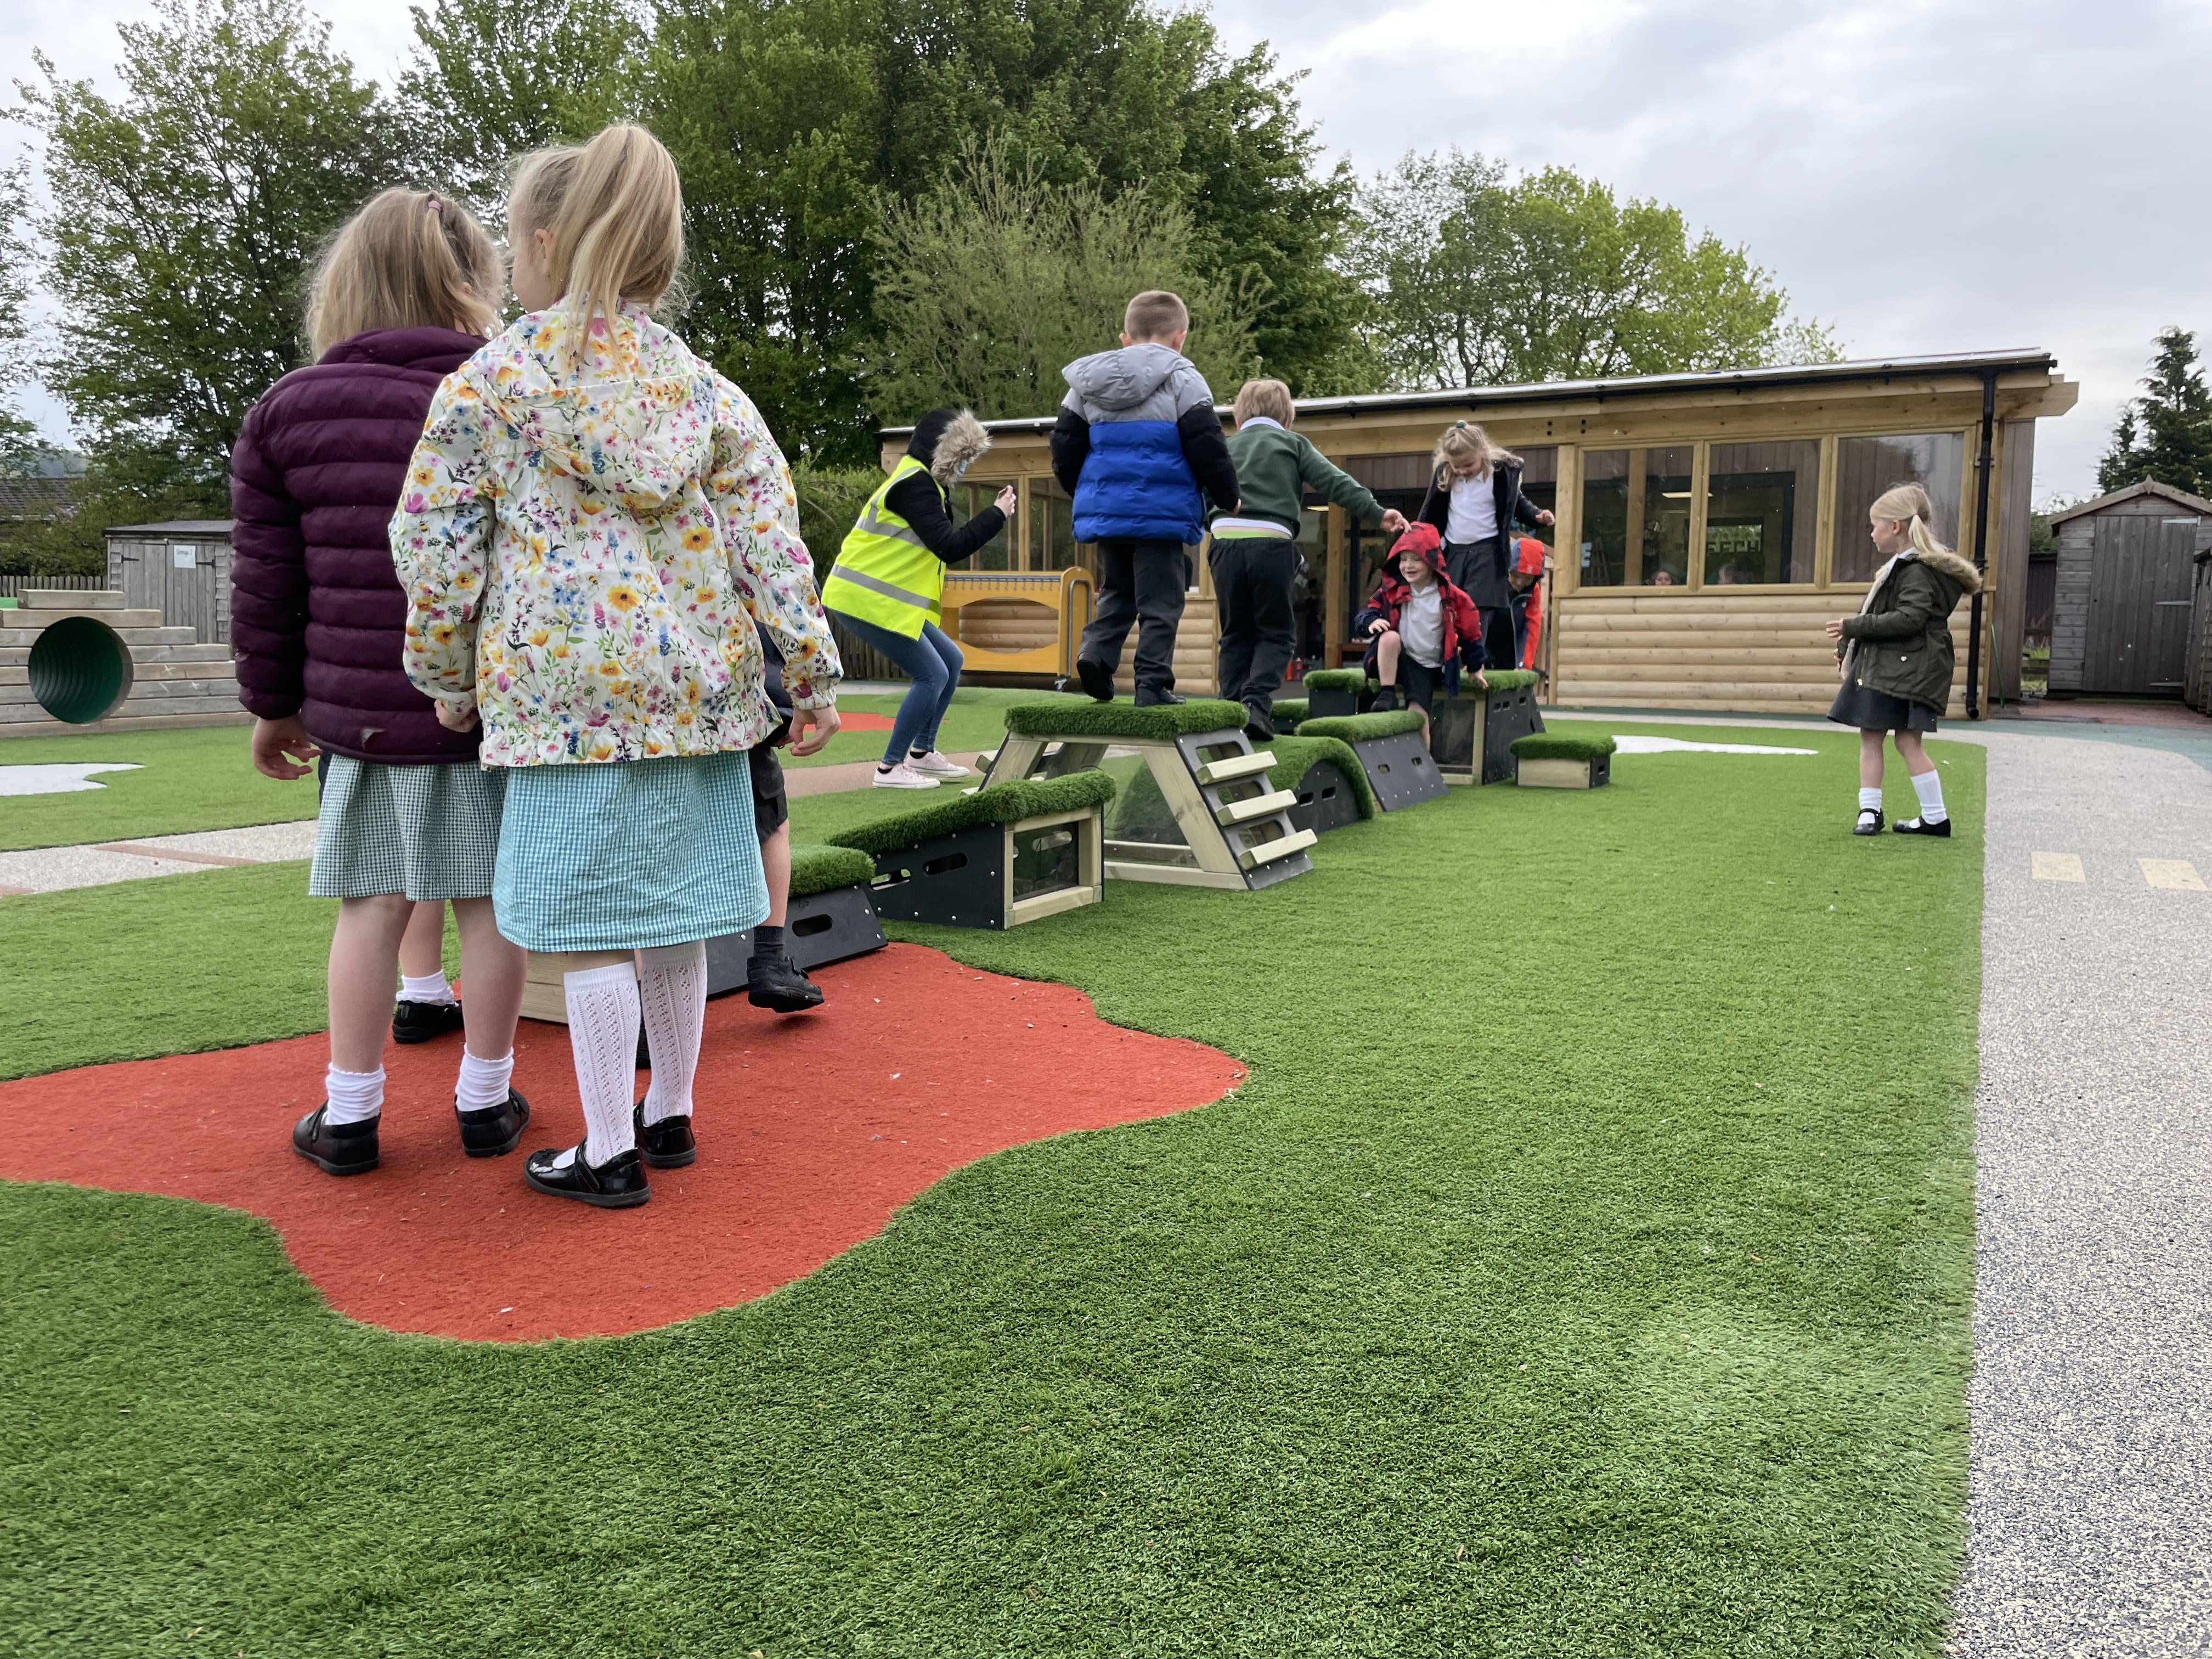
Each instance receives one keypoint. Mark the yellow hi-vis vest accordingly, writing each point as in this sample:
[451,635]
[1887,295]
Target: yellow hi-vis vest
[884,575]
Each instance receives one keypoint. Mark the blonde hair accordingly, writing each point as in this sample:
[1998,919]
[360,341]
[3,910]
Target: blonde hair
[615,209]
[1908,504]
[1462,440]
[406,260]
[1271,398]
[1155,314]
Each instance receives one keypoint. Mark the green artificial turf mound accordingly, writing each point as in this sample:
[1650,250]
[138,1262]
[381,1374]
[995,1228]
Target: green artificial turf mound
[1562,745]
[1431,1339]
[1295,756]
[819,869]
[198,779]
[1288,712]
[1162,723]
[1503,679]
[998,803]
[1353,680]
[1362,728]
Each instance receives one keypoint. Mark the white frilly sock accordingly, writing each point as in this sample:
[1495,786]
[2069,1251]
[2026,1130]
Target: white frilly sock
[483,1083]
[603,1036]
[1929,785]
[672,982]
[352,1097]
[425,987]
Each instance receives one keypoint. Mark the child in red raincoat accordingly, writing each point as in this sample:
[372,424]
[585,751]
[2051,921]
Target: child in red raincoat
[1420,627]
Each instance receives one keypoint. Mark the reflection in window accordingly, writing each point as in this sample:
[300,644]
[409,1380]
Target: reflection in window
[1635,517]
[1866,466]
[1761,504]
[969,500]
[1540,482]
[1052,527]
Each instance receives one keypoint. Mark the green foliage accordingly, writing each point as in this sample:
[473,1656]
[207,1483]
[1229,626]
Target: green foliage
[989,285]
[1080,717]
[1363,728]
[18,439]
[819,869]
[184,217]
[830,502]
[1296,757]
[952,812]
[1480,279]
[2166,434]
[1562,745]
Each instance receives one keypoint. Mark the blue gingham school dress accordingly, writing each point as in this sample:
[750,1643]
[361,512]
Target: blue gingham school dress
[628,855]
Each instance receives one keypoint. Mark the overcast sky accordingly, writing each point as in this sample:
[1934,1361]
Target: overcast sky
[1923,177]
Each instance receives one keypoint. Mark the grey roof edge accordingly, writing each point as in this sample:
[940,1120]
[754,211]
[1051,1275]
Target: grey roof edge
[2128,493]
[1860,369]
[173,527]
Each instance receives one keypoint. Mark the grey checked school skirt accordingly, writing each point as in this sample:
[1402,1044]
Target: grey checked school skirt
[431,832]
[627,855]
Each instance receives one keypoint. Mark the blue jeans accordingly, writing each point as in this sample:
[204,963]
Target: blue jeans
[933,662]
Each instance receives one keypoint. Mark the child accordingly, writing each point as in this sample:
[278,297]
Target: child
[1422,625]
[1529,566]
[591,515]
[1254,557]
[1894,657]
[1136,441]
[773,981]
[888,585]
[403,295]
[1474,501]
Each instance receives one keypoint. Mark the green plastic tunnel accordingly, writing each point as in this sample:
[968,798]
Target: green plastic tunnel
[80,670]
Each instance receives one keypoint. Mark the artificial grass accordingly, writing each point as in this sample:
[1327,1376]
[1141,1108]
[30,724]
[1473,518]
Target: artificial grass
[1066,717]
[1562,745]
[818,869]
[1433,1340]
[1503,679]
[950,811]
[976,721]
[1353,680]
[1296,757]
[1288,712]
[1362,728]
[198,779]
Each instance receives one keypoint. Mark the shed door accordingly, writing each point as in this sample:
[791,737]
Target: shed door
[2139,600]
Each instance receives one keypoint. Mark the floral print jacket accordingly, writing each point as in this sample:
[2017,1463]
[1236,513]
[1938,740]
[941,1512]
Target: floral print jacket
[588,526]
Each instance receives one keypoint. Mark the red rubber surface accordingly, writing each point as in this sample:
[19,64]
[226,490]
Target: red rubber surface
[813,1129]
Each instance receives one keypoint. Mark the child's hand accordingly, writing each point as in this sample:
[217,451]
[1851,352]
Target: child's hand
[1005,501]
[456,715]
[1380,625]
[810,728]
[283,749]
[1836,628]
[1546,517]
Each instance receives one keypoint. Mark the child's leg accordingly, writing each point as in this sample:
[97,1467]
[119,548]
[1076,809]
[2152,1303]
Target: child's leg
[493,967]
[603,1020]
[1229,559]
[1387,647]
[364,956]
[422,955]
[1161,575]
[672,984]
[1870,771]
[776,865]
[1927,781]
[1116,610]
[949,654]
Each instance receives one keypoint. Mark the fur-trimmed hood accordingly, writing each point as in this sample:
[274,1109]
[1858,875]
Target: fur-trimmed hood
[1959,570]
[947,441]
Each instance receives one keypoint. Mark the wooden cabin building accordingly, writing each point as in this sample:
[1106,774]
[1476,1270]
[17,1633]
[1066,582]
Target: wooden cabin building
[1707,524]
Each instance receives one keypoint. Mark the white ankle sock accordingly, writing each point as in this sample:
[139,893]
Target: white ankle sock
[483,1083]
[1929,785]
[672,984]
[353,1097]
[425,987]
[1870,800]
[603,1036]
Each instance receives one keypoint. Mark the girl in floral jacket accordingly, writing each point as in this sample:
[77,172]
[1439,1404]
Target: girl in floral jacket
[591,519]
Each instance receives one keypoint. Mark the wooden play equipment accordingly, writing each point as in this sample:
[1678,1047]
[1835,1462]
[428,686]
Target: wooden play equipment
[1335,693]
[73,661]
[1472,732]
[996,857]
[830,917]
[1198,807]
[1017,622]
[1328,784]
[1399,768]
[1554,760]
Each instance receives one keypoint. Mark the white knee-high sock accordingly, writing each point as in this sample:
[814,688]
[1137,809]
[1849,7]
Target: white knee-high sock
[672,984]
[1929,785]
[603,1034]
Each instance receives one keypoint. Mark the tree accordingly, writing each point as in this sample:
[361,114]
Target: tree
[1476,277]
[183,218]
[2166,434]
[18,439]
[990,284]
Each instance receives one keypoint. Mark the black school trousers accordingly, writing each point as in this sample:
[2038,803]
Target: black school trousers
[1253,580]
[1140,582]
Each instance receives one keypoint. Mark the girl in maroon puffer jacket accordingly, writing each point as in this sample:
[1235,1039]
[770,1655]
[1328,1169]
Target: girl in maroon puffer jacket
[405,295]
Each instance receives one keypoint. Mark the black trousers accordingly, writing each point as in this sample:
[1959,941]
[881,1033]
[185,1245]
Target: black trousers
[1140,583]
[1253,579]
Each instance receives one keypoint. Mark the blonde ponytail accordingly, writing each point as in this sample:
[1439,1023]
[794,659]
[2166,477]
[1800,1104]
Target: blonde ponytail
[408,259]
[1464,440]
[1908,504]
[614,208]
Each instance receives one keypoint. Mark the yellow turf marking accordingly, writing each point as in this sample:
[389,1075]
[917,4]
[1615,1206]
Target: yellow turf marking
[2058,867]
[2172,872]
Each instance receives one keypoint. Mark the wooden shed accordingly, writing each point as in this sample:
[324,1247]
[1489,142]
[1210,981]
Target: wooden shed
[181,567]
[1707,524]
[2127,583]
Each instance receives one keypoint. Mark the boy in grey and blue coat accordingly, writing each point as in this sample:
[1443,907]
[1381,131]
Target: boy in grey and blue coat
[1139,446]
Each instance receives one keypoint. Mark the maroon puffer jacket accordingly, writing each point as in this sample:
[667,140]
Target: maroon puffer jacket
[316,613]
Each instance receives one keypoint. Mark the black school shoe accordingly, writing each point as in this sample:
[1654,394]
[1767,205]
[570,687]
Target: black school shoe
[1869,822]
[778,983]
[1098,680]
[1385,701]
[1158,699]
[667,1144]
[420,1022]
[616,1184]
[338,1149]
[493,1131]
[1921,827]
[1259,723]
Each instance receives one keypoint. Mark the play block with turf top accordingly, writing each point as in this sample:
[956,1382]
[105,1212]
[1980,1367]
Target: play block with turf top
[1559,760]
[830,917]
[1472,733]
[994,857]
[1198,806]
[1398,765]
[1333,693]
[1330,785]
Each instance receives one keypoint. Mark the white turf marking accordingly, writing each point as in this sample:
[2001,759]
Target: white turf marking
[2178,873]
[1641,745]
[57,779]
[2057,866]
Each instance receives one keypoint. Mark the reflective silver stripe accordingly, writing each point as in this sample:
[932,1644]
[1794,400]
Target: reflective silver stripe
[877,585]
[898,532]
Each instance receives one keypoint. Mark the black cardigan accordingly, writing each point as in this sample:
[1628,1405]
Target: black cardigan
[922,501]
[1491,589]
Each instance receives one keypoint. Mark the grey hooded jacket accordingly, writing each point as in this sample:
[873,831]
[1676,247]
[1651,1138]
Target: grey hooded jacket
[1137,438]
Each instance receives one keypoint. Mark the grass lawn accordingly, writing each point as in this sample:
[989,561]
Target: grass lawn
[974,721]
[198,779]
[1584,1269]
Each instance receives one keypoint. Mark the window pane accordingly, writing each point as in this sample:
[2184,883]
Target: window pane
[1605,517]
[1539,482]
[1761,504]
[1866,466]
[1666,517]
[969,500]
[1635,517]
